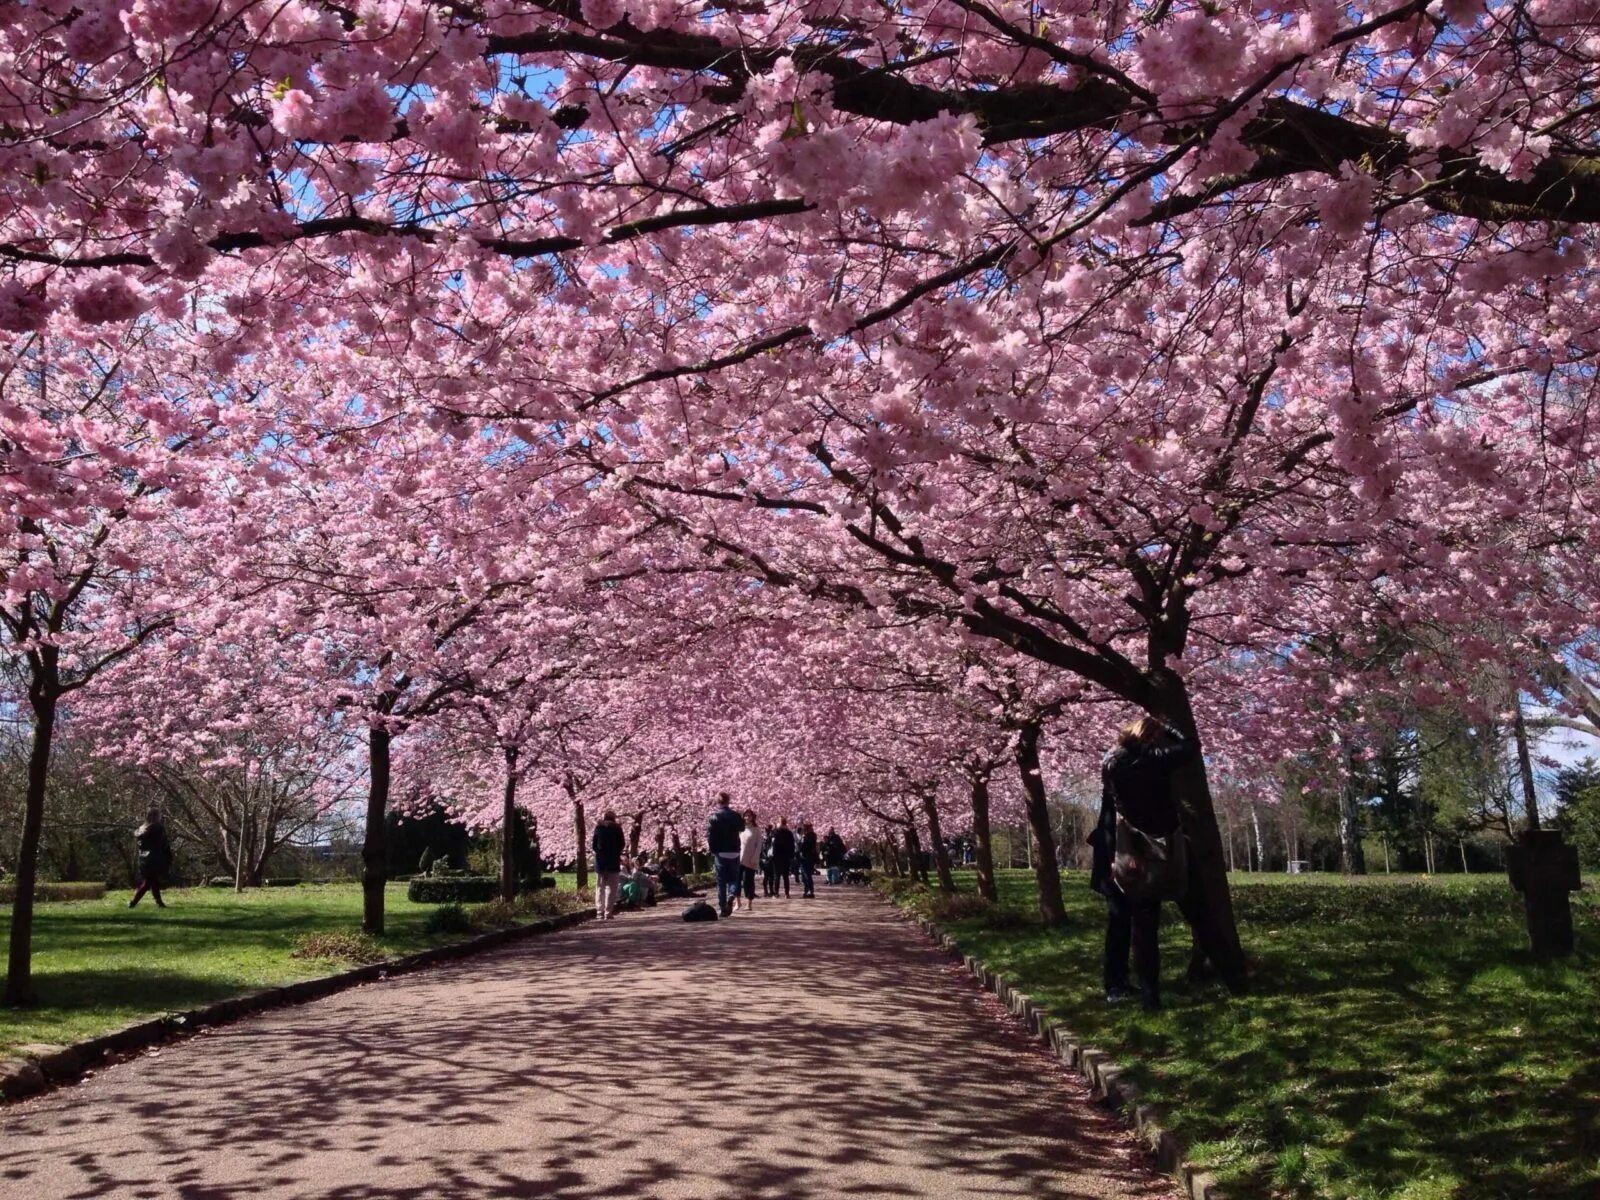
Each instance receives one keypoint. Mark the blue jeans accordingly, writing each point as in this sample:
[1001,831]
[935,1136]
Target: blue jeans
[808,871]
[729,877]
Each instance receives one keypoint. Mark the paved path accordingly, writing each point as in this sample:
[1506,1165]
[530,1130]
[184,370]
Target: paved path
[810,1049]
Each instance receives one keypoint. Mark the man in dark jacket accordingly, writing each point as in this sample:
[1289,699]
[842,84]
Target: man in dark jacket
[723,828]
[607,845]
[808,861]
[782,856]
[1135,781]
[833,855]
[155,858]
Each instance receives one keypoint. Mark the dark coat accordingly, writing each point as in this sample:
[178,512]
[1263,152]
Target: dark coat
[723,828]
[808,848]
[783,845]
[155,852]
[607,845]
[833,850]
[1136,781]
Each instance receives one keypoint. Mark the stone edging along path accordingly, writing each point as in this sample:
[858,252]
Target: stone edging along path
[43,1067]
[1108,1080]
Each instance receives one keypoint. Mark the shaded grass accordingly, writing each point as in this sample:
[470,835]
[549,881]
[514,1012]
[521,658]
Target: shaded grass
[1399,1042]
[99,965]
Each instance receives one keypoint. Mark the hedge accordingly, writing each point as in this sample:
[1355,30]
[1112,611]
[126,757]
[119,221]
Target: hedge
[56,891]
[453,889]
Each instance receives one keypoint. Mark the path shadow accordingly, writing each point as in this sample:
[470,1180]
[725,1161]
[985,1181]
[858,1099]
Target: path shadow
[806,1051]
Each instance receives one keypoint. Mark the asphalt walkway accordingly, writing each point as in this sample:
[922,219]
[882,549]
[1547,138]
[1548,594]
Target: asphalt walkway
[809,1049]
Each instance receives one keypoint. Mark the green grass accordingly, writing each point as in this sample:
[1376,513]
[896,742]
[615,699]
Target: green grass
[99,965]
[1399,1043]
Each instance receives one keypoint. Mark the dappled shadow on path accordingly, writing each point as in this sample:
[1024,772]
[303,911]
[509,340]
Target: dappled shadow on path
[812,1049]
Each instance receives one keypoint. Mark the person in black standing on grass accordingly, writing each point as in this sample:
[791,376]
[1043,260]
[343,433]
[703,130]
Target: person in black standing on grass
[155,857]
[808,860]
[1136,785]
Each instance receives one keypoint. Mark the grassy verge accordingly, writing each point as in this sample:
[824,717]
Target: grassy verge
[99,965]
[1398,1044]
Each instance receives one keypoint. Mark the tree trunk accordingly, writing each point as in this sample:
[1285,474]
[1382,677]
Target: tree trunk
[1208,907]
[1525,763]
[19,962]
[508,821]
[635,831]
[1045,871]
[375,850]
[238,854]
[1258,862]
[1352,858]
[919,869]
[983,838]
[941,852]
[582,832]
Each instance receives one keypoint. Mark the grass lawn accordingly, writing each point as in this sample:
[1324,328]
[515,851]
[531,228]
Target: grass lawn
[1398,1041]
[99,965]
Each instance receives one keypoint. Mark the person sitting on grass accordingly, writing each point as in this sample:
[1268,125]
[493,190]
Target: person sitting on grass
[155,857]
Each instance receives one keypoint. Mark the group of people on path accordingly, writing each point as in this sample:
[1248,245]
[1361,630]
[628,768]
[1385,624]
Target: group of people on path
[741,849]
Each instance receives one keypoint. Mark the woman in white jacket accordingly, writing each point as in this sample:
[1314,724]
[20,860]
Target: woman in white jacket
[749,860]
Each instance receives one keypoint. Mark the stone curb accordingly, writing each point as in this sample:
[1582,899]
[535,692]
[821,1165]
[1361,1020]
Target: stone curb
[43,1067]
[1106,1078]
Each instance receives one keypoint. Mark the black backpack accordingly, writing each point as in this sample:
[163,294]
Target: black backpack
[699,911]
[1147,867]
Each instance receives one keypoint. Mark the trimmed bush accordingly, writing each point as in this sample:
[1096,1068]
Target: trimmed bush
[497,914]
[453,889]
[56,891]
[448,918]
[284,882]
[347,947]
[547,902]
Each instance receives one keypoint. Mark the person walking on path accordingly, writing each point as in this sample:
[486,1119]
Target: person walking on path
[782,856]
[723,828]
[833,856]
[808,861]
[749,860]
[769,877]
[607,845]
[1139,857]
[155,857]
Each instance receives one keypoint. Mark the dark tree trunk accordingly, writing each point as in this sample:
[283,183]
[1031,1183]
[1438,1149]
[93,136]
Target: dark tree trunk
[582,832]
[19,962]
[375,850]
[508,822]
[1051,908]
[941,852]
[635,831]
[983,837]
[919,869]
[1352,858]
[1209,905]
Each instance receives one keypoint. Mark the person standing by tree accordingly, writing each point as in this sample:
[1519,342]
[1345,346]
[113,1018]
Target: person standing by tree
[769,869]
[749,859]
[155,857]
[808,861]
[782,856]
[833,855]
[607,845]
[1139,857]
[723,828]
